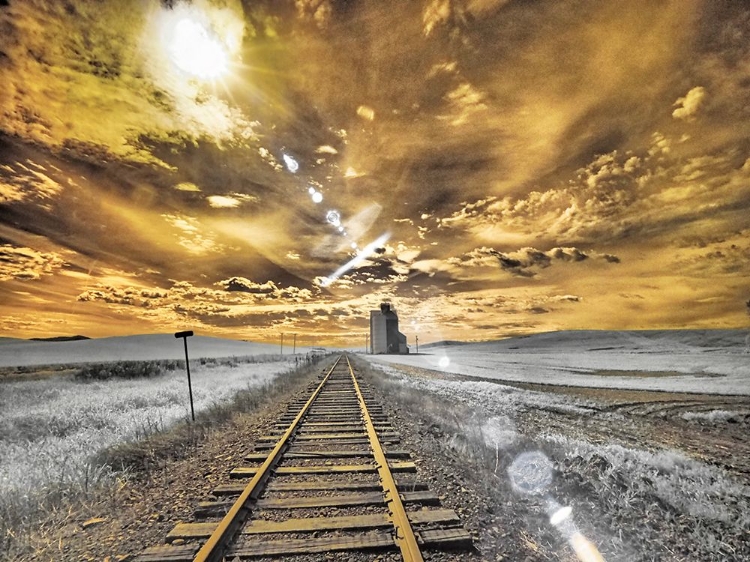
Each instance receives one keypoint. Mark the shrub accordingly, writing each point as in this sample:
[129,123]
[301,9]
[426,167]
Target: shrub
[124,370]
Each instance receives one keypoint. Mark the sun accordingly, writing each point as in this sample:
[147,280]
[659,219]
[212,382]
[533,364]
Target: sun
[194,51]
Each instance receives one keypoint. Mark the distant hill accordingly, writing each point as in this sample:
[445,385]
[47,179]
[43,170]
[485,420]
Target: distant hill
[442,343]
[62,338]
[604,340]
[17,353]
[595,340]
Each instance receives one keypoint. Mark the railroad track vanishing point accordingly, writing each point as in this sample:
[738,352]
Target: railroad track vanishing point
[330,478]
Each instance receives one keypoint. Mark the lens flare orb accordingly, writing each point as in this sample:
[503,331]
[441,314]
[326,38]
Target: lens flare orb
[560,515]
[333,217]
[531,473]
[291,164]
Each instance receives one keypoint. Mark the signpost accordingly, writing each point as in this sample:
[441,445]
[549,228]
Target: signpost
[185,335]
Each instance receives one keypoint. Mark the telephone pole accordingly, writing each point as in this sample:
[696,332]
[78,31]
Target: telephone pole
[282,343]
[417,343]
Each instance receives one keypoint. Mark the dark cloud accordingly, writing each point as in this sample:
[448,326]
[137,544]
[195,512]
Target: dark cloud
[720,257]
[267,290]
[128,296]
[247,286]
[339,312]
[524,262]
[538,310]
[567,298]
[571,254]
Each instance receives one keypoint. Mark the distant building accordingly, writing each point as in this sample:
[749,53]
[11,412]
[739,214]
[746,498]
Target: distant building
[384,334]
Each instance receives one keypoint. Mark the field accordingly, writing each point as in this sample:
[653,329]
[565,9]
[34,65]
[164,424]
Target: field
[698,361]
[20,353]
[61,425]
[644,436]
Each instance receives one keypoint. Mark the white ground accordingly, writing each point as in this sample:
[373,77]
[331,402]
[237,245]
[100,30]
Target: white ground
[16,353]
[707,504]
[697,361]
[50,428]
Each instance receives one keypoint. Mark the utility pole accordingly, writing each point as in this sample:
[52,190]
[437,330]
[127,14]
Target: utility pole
[367,343]
[417,343]
[185,335]
[282,343]
[294,349]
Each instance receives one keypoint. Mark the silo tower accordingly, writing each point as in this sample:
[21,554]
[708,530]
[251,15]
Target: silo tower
[384,334]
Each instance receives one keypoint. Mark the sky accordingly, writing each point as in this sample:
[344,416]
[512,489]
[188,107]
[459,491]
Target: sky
[492,168]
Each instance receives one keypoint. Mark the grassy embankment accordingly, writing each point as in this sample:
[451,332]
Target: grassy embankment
[71,440]
[636,504]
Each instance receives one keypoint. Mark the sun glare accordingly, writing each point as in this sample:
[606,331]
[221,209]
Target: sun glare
[194,51]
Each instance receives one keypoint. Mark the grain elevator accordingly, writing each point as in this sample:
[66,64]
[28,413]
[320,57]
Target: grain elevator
[384,334]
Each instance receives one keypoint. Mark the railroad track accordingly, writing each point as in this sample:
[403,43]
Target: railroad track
[330,478]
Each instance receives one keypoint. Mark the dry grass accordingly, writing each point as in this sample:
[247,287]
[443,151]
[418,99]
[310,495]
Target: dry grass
[155,447]
[634,503]
[72,467]
[482,445]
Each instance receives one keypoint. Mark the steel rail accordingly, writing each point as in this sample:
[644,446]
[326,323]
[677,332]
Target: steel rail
[404,534]
[212,550]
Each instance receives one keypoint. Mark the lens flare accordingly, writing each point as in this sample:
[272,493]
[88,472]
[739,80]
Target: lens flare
[195,51]
[317,197]
[499,432]
[585,549]
[291,164]
[444,362]
[560,515]
[562,519]
[363,254]
[333,217]
[531,473]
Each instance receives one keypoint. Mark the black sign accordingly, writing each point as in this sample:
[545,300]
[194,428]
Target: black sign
[185,334]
